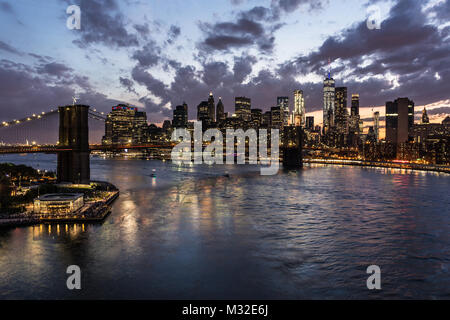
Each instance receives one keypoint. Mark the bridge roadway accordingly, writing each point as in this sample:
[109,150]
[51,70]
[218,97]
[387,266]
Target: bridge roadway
[99,147]
[92,147]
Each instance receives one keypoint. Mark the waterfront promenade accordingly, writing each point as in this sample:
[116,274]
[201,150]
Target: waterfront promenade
[92,211]
[380,164]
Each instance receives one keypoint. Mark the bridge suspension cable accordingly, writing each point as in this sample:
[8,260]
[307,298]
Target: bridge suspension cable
[94,114]
[33,117]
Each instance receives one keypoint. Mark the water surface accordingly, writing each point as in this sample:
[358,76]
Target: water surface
[192,233]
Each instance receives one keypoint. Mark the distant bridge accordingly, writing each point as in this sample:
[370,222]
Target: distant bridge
[92,147]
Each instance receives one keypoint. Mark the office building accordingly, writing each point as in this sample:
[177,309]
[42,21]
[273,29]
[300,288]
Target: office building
[203,114]
[341,113]
[276,118]
[310,123]
[220,111]
[399,120]
[425,118]
[328,102]
[125,125]
[354,115]
[211,108]
[256,118]
[180,116]
[242,108]
[299,108]
[283,104]
[376,125]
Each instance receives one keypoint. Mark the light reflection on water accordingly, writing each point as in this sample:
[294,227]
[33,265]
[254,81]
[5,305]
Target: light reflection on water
[191,232]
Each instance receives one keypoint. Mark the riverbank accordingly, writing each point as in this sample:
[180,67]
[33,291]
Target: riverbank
[377,164]
[91,212]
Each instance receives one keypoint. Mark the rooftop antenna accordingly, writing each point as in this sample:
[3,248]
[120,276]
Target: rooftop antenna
[329,68]
[74,100]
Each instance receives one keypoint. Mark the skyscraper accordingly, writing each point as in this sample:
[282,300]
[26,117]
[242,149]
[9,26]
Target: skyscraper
[124,125]
[257,118]
[328,102]
[425,118]
[267,119]
[242,107]
[299,108]
[180,116]
[354,114]
[283,104]
[355,105]
[340,105]
[310,123]
[399,120]
[203,114]
[211,107]
[276,116]
[376,125]
[220,111]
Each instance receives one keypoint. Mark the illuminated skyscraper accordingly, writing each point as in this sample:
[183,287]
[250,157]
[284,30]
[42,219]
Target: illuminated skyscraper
[124,125]
[425,118]
[220,112]
[257,118]
[328,102]
[276,117]
[354,115]
[376,125]
[299,108]
[242,107]
[283,104]
[211,107]
[180,116]
[399,120]
[355,105]
[203,114]
[341,113]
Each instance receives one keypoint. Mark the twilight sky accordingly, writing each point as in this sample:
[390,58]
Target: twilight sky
[156,54]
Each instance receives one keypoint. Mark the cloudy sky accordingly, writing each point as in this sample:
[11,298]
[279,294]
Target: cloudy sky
[155,54]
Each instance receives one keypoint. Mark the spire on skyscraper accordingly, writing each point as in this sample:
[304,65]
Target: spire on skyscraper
[329,68]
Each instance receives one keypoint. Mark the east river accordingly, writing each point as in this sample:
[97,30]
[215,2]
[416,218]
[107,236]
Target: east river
[226,232]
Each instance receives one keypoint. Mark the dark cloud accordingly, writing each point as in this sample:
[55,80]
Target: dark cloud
[54,69]
[174,33]
[149,55]
[6,47]
[253,27]
[128,84]
[243,67]
[142,29]
[438,111]
[242,33]
[292,5]
[103,23]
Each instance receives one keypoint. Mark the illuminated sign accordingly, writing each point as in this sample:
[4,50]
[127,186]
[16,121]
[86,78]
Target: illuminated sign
[125,108]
